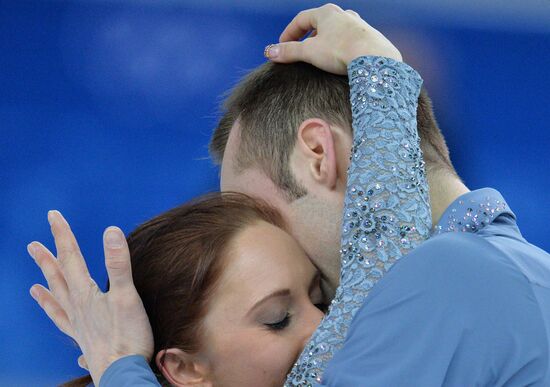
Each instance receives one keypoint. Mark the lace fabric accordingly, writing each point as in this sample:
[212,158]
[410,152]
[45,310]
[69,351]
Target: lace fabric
[386,208]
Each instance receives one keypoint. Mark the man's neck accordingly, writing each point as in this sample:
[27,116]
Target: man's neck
[445,188]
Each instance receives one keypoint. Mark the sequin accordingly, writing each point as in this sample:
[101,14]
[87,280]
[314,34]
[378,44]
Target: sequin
[476,214]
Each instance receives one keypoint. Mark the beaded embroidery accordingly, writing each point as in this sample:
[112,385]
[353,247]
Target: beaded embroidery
[472,212]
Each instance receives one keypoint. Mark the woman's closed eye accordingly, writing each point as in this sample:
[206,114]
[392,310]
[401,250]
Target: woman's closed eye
[281,324]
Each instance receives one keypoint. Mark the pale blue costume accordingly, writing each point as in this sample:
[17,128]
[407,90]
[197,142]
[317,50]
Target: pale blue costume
[467,308]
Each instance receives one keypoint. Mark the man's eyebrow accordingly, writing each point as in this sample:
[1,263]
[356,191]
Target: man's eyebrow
[277,293]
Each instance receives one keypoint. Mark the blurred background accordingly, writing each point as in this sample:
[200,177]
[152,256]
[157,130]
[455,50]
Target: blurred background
[106,108]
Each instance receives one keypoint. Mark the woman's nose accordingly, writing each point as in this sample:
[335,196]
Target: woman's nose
[314,317]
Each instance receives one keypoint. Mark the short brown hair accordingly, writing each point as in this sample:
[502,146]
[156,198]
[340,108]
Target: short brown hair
[273,100]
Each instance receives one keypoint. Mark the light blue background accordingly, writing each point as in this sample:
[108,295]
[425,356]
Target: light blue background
[106,108]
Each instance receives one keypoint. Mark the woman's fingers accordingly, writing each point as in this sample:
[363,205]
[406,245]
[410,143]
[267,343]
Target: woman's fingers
[353,13]
[336,37]
[306,21]
[302,23]
[117,260]
[69,258]
[51,271]
[105,326]
[53,309]
[82,362]
[288,52]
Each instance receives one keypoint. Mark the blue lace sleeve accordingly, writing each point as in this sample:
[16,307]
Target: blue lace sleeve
[386,209]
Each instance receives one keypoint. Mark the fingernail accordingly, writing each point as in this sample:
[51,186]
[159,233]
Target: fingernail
[31,249]
[113,238]
[50,216]
[271,51]
[34,293]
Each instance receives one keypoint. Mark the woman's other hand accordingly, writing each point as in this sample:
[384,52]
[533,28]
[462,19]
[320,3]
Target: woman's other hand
[106,326]
[336,37]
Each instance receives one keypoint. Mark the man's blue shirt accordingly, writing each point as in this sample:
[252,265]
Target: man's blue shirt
[463,309]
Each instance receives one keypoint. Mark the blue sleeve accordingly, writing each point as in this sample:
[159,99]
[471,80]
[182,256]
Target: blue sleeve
[129,371]
[386,208]
[454,312]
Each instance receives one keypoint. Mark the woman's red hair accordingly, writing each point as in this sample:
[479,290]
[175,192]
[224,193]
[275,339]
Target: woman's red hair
[177,260]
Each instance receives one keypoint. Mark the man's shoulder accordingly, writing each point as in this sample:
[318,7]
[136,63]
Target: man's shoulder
[456,245]
[461,255]
[461,267]
[459,304]
[461,292]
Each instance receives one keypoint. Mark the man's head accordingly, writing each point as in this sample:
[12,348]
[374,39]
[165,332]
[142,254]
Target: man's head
[285,136]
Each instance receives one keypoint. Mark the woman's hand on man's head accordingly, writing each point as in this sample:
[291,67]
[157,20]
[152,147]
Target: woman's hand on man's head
[336,37]
[106,326]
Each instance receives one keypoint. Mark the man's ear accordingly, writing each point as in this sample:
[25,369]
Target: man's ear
[316,146]
[182,369]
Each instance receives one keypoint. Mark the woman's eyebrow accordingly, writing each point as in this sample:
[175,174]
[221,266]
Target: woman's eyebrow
[277,293]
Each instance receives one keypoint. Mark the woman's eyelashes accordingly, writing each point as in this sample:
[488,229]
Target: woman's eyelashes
[281,324]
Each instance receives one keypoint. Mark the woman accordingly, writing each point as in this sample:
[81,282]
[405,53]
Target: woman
[240,299]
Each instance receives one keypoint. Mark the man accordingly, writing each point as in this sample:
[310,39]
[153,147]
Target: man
[469,308]
[461,320]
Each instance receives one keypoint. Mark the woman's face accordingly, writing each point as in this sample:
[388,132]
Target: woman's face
[263,311]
